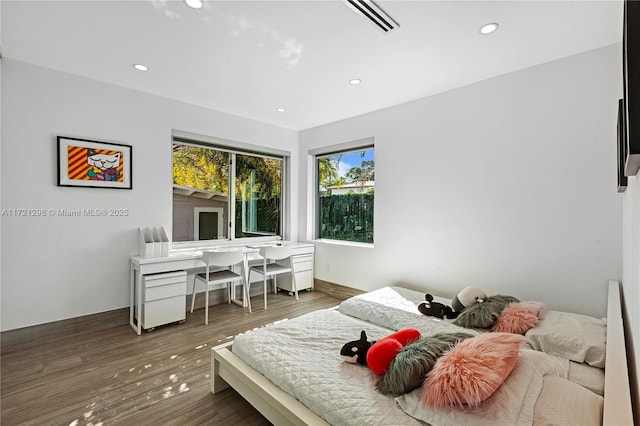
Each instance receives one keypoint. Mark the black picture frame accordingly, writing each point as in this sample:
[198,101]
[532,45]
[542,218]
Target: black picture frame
[631,85]
[622,146]
[94,164]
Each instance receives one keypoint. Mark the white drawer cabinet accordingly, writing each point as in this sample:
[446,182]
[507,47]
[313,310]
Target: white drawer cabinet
[303,256]
[163,299]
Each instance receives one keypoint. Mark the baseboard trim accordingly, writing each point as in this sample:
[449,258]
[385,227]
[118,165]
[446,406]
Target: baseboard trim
[336,290]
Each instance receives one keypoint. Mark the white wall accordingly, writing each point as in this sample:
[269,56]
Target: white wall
[631,276]
[61,267]
[514,190]
[508,185]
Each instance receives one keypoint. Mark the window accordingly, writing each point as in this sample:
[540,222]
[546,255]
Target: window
[203,202]
[346,186]
[258,194]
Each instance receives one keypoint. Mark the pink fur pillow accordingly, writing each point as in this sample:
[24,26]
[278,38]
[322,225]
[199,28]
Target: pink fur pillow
[472,371]
[518,318]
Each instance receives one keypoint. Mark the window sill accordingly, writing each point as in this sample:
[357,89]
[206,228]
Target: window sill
[222,242]
[343,243]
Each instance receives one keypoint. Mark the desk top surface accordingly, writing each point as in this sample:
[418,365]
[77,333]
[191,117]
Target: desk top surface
[185,253]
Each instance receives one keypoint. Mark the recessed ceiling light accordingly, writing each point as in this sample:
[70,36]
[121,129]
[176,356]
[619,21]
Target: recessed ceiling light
[140,67]
[355,81]
[488,28]
[194,4]
[280,110]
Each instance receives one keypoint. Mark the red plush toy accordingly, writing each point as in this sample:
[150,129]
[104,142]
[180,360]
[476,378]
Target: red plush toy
[378,355]
[385,350]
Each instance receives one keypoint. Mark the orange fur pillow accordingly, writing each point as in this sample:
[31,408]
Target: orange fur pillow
[472,371]
[518,317]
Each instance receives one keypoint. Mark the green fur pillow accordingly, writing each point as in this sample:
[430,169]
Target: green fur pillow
[410,367]
[484,314]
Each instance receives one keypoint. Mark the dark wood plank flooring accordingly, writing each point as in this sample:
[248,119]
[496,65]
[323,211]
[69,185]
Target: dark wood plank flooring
[96,370]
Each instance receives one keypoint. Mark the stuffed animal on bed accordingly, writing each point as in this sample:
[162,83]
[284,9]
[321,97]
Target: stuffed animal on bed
[436,309]
[467,297]
[378,355]
[356,351]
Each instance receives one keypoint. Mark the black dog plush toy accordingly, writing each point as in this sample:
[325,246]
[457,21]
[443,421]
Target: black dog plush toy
[436,309]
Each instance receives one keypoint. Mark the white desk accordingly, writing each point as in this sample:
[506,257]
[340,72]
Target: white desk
[191,258]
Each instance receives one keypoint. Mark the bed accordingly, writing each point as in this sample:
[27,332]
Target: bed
[292,374]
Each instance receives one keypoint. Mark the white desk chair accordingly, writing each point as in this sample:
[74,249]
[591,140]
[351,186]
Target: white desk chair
[273,258]
[213,258]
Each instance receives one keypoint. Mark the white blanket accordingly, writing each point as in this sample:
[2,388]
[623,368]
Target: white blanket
[302,357]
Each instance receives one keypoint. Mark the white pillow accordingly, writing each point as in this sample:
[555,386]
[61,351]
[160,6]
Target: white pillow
[575,337]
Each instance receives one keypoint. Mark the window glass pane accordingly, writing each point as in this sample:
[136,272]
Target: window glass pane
[346,186]
[258,195]
[203,202]
[200,193]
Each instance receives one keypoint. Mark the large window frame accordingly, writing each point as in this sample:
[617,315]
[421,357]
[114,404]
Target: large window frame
[329,151]
[235,149]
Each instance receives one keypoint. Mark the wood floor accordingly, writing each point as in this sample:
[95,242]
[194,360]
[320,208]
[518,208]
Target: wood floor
[96,370]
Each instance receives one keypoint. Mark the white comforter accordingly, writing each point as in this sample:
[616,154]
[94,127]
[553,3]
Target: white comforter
[302,357]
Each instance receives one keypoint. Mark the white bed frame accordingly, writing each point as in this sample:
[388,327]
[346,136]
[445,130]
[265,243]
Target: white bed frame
[282,409]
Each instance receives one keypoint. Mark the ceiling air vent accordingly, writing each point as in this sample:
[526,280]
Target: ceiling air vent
[373,13]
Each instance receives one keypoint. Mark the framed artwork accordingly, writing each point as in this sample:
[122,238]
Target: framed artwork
[622,146]
[631,85]
[94,164]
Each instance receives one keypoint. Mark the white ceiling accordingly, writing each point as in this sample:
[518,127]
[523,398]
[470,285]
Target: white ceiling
[249,58]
